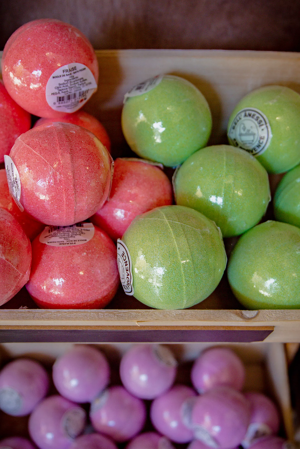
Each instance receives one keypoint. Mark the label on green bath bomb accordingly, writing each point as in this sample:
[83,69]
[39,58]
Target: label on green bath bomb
[77,234]
[73,422]
[70,87]
[251,131]
[144,87]
[125,267]
[13,181]
[255,432]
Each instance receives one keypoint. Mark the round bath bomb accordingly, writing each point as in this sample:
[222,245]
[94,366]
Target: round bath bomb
[264,267]
[15,257]
[73,268]
[81,373]
[166,119]
[177,257]
[196,444]
[14,121]
[23,384]
[150,440]
[147,371]
[217,367]
[49,68]
[81,118]
[56,422]
[16,443]
[137,187]
[227,185]
[266,123]
[118,414]
[270,442]
[65,173]
[287,198]
[93,441]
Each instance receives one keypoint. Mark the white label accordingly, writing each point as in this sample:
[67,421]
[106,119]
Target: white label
[77,234]
[187,410]
[10,401]
[73,422]
[125,268]
[164,355]
[144,87]
[70,87]
[255,432]
[203,435]
[251,131]
[100,401]
[13,181]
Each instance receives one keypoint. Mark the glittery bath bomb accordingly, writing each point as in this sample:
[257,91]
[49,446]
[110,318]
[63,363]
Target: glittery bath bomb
[15,257]
[287,198]
[177,256]
[49,68]
[264,267]
[65,173]
[137,186]
[166,120]
[13,122]
[83,276]
[227,185]
[266,123]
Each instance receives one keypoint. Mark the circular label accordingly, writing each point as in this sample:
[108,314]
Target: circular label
[144,87]
[164,355]
[13,181]
[10,401]
[74,422]
[255,432]
[70,87]
[251,131]
[125,267]
[203,435]
[74,235]
[100,401]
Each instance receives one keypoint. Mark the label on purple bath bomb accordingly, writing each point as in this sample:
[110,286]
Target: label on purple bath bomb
[205,437]
[13,181]
[10,401]
[255,432]
[73,422]
[251,131]
[70,87]
[125,267]
[144,87]
[77,234]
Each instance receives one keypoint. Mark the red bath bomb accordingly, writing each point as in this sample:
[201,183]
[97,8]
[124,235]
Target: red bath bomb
[49,68]
[13,122]
[81,276]
[65,173]
[15,257]
[138,186]
[81,118]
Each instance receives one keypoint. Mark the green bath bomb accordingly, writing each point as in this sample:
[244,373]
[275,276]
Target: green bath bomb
[287,198]
[264,267]
[266,123]
[166,120]
[227,185]
[178,257]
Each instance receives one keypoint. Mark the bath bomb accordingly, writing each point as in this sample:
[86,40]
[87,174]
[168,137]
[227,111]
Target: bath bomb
[118,414]
[65,173]
[270,442]
[266,123]
[137,187]
[14,121]
[167,414]
[216,367]
[166,119]
[196,444]
[81,373]
[56,422]
[177,257]
[49,68]
[93,441]
[150,440]
[264,267]
[16,443]
[80,273]
[30,226]
[81,118]
[23,384]
[15,257]
[287,198]
[147,371]
[227,185]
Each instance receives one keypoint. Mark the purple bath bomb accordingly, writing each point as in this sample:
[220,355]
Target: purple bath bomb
[270,443]
[93,441]
[118,414]
[16,443]
[23,384]
[81,373]
[216,367]
[150,440]
[148,371]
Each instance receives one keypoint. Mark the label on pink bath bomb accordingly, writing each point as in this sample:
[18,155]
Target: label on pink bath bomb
[255,432]
[10,401]
[70,87]
[73,422]
[187,410]
[100,401]
[125,267]
[77,234]
[204,436]
[164,443]
[13,181]
[144,87]
[164,355]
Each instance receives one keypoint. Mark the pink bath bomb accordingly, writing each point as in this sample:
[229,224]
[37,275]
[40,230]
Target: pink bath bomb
[270,443]
[150,440]
[14,121]
[148,371]
[81,373]
[16,443]
[81,118]
[65,173]
[118,414]
[216,367]
[196,444]
[30,226]
[138,186]
[49,68]
[93,441]
[83,276]
[15,257]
